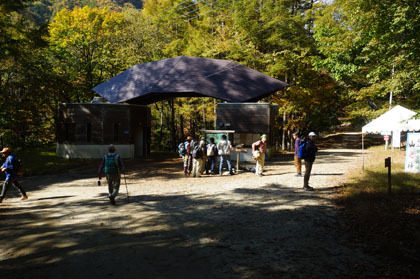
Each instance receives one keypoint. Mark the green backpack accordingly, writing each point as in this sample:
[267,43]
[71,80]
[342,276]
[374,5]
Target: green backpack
[111,163]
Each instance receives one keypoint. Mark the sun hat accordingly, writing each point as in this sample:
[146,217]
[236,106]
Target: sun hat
[5,150]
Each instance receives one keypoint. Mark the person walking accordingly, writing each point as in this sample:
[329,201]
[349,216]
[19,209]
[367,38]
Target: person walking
[112,165]
[298,161]
[11,167]
[310,150]
[261,148]
[211,151]
[224,146]
[198,154]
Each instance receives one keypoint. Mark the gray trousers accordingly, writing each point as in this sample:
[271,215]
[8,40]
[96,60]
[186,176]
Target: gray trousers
[6,186]
[113,180]
[308,169]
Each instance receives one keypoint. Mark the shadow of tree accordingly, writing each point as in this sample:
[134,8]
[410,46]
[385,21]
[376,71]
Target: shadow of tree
[268,232]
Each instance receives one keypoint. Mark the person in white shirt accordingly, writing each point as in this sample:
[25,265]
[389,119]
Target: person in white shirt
[224,146]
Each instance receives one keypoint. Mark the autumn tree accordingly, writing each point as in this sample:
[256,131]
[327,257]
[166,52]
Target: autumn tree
[85,44]
[371,48]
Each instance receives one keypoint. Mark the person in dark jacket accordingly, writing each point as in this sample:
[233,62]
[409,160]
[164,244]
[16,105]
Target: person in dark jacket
[9,167]
[311,151]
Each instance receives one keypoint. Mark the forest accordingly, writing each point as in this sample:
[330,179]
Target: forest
[346,61]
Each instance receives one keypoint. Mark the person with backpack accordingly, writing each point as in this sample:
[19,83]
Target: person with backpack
[203,165]
[11,168]
[259,149]
[197,155]
[112,165]
[189,145]
[298,161]
[183,153]
[224,146]
[211,151]
[309,154]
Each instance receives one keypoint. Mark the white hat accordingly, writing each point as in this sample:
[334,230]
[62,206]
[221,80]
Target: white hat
[312,134]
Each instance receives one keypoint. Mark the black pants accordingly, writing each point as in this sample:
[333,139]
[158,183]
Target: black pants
[211,162]
[6,186]
[308,169]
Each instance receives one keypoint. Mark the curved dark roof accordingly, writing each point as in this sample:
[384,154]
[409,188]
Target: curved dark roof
[185,76]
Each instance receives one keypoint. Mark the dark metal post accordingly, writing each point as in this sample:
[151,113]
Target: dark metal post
[388,164]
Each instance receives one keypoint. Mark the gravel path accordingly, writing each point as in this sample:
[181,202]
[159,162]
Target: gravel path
[239,226]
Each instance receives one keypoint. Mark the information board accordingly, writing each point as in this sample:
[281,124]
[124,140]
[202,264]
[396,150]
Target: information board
[217,137]
[412,155]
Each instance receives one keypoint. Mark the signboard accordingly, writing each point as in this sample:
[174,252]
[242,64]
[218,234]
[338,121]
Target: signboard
[412,155]
[217,134]
[386,138]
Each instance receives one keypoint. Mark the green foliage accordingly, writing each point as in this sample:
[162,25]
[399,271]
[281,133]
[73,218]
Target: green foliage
[84,45]
[338,58]
[371,49]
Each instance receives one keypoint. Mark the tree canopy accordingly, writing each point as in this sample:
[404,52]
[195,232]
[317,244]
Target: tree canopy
[342,59]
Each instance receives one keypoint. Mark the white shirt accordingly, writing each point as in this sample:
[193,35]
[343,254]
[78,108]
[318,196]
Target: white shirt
[224,147]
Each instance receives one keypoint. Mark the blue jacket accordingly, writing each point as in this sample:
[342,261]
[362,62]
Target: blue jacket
[10,169]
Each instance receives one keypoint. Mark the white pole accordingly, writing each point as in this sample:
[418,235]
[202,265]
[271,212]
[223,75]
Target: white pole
[363,153]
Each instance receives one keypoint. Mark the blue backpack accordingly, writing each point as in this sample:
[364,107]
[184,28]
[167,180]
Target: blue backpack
[111,163]
[302,150]
[181,149]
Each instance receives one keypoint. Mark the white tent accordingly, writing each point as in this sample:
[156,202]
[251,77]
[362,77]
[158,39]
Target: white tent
[390,121]
[393,121]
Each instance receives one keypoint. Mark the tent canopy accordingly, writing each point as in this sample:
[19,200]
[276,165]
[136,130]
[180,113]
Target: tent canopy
[185,76]
[395,119]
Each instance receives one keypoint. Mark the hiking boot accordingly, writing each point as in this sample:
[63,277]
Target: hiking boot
[308,188]
[24,197]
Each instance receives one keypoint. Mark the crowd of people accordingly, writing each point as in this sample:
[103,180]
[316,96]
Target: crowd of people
[201,157]
[198,157]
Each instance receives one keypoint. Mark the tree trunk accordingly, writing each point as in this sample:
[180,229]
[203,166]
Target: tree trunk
[283,138]
[172,123]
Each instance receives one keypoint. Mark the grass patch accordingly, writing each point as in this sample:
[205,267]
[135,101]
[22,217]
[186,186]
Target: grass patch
[39,161]
[390,224]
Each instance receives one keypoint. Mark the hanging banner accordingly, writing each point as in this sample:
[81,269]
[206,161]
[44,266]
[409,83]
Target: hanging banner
[396,139]
[412,155]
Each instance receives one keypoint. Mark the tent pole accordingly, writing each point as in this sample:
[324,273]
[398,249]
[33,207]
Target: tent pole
[363,153]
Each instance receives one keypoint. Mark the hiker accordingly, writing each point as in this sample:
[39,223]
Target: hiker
[204,158]
[197,155]
[211,151]
[310,150]
[259,149]
[224,146]
[112,165]
[298,161]
[190,149]
[183,153]
[11,168]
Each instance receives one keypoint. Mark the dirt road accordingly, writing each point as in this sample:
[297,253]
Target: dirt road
[173,226]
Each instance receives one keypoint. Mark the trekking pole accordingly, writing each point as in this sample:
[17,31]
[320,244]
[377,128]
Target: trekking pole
[126,188]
